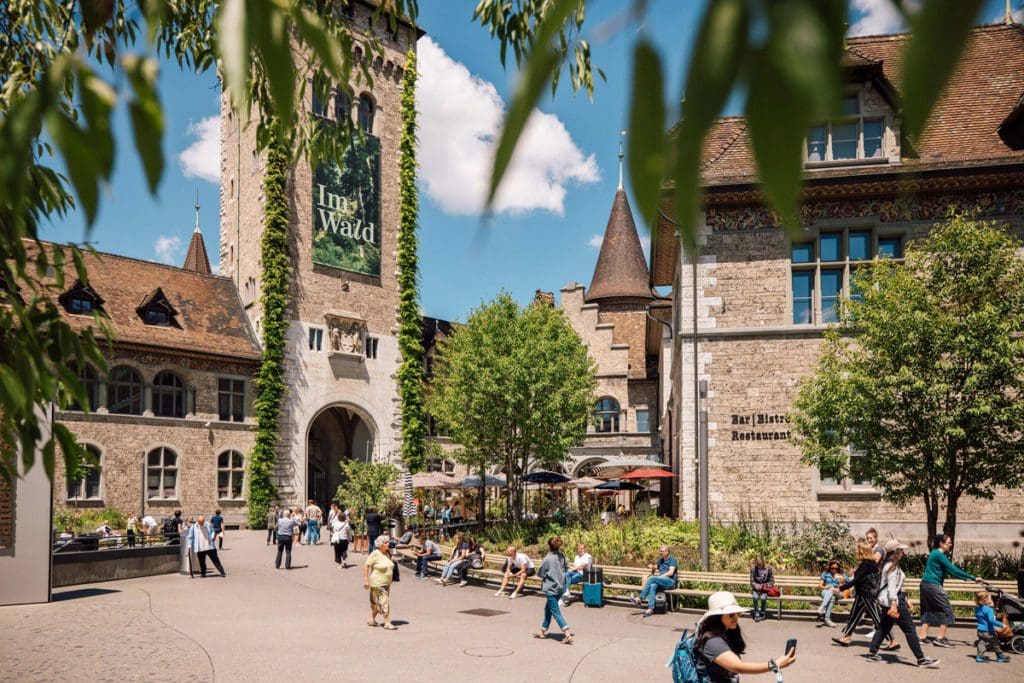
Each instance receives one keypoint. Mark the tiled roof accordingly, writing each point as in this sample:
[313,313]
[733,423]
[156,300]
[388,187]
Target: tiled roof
[209,315]
[621,269]
[963,128]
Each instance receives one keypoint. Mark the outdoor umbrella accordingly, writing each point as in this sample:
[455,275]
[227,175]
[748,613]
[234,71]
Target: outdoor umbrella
[618,486]
[619,465]
[545,477]
[430,480]
[648,473]
[490,481]
[408,506]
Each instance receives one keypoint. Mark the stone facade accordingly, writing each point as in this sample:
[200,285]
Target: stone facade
[353,386]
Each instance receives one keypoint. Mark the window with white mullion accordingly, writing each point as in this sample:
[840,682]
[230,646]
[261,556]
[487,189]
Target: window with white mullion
[851,137]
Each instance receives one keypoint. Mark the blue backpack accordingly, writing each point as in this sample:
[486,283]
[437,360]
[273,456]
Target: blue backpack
[686,663]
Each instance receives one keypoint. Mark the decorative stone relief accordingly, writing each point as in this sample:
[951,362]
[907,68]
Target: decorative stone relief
[346,333]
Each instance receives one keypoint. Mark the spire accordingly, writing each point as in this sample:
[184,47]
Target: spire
[196,259]
[622,134]
[621,270]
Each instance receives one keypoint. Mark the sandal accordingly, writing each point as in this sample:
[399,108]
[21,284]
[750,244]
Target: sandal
[372,624]
[540,635]
[567,639]
[845,642]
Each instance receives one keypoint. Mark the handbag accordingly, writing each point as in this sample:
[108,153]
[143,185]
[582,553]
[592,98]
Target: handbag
[773,592]
[395,576]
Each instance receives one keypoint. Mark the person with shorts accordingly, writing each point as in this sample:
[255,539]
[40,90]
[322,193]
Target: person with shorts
[378,573]
[518,565]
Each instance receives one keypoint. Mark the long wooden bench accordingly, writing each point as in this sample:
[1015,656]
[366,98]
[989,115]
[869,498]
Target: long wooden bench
[794,588]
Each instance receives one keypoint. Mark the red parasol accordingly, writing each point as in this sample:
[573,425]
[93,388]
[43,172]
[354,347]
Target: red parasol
[649,473]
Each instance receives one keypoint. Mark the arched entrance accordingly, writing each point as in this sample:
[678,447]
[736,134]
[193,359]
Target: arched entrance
[337,433]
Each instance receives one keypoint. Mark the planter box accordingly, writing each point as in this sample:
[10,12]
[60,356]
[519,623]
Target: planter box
[91,566]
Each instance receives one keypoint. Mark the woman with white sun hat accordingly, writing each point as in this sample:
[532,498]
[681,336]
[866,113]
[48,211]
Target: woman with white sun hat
[720,642]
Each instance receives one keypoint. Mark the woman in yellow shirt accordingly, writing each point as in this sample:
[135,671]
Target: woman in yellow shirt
[378,572]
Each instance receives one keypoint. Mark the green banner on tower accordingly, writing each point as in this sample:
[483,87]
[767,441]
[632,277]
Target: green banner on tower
[346,209]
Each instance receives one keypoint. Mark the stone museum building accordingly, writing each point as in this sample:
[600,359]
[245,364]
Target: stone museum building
[763,296]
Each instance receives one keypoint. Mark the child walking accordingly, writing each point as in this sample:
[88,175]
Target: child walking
[987,625]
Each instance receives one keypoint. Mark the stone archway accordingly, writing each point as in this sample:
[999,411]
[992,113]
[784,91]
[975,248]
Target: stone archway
[338,432]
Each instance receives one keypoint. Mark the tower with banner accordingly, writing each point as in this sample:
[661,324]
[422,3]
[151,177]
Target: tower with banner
[341,354]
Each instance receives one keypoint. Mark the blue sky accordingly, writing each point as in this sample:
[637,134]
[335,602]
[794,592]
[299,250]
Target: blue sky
[556,203]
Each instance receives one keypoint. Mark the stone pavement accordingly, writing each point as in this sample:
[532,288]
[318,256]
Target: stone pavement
[309,624]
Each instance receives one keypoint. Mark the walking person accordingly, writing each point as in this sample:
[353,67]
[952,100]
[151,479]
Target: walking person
[935,607]
[893,598]
[133,529]
[341,534]
[217,524]
[271,524]
[374,527]
[286,528]
[988,639]
[720,643]
[300,519]
[378,573]
[552,575]
[314,516]
[761,579]
[201,539]
[865,584]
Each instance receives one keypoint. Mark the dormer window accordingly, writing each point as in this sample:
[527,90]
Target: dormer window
[81,300]
[854,136]
[156,310]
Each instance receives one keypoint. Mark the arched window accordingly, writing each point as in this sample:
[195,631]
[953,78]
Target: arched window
[230,475]
[342,105]
[88,486]
[606,415]
[366,112]
[124,391]
[168,395]
[91,387]
[162,474]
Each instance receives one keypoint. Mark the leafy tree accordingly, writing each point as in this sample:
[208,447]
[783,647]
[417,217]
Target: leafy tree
[410,320]
[514,387]
[365,484]
[924,374]
[784,55]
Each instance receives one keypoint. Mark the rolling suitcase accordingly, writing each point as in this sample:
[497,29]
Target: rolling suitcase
[593,575]
[593,594]
[660,603]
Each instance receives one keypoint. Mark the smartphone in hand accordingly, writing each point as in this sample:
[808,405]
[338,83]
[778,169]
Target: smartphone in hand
[791,645]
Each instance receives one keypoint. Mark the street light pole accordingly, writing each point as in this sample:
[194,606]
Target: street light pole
[705,525]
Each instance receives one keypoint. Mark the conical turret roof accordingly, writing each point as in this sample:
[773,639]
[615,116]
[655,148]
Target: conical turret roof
[621,270]
[196,259]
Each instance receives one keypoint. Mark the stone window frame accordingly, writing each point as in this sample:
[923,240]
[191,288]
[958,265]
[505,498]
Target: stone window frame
[81,483]
[442,465]
[846,488]
[366,112]
[372,346]
[244,396]
[163,468]
[232,472]
[614,415]
[173,393]
[316,338]
[112,386]
[842,227]
[859,118]
[646,411]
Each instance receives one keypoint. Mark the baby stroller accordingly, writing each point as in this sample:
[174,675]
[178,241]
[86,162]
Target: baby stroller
[1013,608]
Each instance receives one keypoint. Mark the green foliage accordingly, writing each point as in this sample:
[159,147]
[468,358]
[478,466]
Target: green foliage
[925,375]
[514,387]
[410,340]
[270,385]
[87,520]
[365,484]
[785,55]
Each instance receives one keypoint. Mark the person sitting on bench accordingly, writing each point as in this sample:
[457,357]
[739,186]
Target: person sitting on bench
[427,552]
[663,577]
[580,564]
[518,565]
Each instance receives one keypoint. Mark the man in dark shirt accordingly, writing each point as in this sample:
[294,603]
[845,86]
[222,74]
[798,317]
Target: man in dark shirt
[663,578]
[374,527]
[217,524]
[285,534]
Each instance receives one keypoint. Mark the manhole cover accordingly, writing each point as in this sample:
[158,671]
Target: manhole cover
[488,652]
[483,612]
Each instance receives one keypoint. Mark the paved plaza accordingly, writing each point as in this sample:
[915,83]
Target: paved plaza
[309,624]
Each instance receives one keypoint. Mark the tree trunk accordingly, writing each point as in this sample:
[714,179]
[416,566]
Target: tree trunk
[949,527]
[481,513]
[931,506]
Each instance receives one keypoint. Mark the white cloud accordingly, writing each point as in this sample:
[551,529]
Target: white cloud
[167,249]
[878,17]
[201,159]
[460,119]
[596,241]
[645,243]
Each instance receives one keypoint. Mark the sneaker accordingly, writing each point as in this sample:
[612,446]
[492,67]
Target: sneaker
[928,663]
[648,613]
[875,658]
[439,581]
[1002,659]
[513,596]
[498,594]
[942,642]
[561,602]
[980,660]
[463,583]
[830,623]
